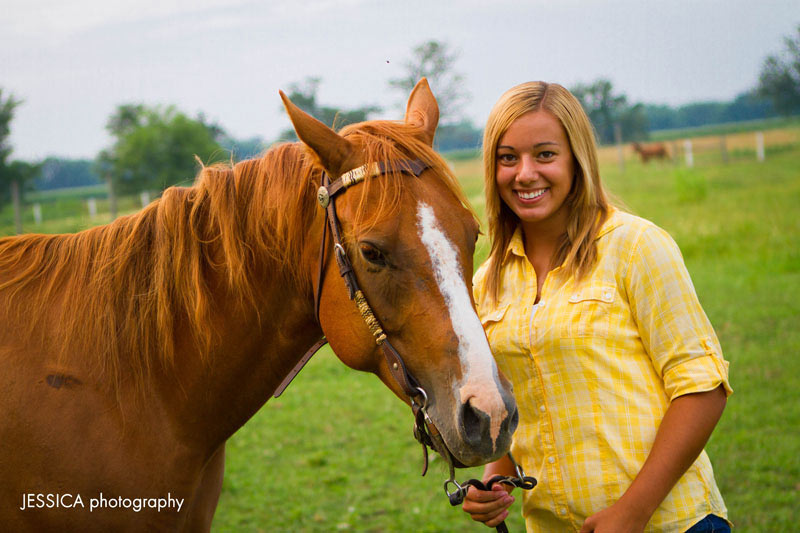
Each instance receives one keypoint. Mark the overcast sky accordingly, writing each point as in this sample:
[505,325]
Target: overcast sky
[73,62]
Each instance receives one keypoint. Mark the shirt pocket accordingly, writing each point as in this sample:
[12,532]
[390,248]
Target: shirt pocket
[588,311]
[496,324]
[495,316]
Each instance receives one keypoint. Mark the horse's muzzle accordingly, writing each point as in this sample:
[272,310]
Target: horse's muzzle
[485,437]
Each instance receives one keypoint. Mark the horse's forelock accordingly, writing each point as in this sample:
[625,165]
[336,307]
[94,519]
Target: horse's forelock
[387,142]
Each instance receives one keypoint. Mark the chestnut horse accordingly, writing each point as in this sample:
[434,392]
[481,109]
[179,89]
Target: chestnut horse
[651,151]
[129,353]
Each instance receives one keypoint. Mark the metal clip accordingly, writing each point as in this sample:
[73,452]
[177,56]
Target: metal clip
[424,401]
[457,496]
[517,467]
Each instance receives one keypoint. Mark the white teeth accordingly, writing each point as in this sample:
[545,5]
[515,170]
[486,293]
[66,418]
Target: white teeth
[531,194]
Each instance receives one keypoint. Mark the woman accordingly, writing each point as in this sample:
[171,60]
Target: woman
[590,312]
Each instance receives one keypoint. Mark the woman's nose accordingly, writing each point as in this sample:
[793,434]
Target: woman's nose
[527,170]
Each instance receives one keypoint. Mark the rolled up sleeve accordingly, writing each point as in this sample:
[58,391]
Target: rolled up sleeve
[674,328]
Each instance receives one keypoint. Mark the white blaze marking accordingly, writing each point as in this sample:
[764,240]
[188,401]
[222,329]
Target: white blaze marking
[480,372]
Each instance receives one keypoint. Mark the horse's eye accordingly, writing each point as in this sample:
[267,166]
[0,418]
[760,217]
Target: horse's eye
[372,254]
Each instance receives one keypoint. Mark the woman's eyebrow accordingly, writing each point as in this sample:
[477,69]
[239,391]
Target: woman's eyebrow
[537,145]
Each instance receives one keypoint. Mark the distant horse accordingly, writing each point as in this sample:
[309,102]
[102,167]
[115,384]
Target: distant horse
[129,353]
[651,151]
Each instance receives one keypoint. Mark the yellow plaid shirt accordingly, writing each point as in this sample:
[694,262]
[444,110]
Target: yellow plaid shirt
[595,365]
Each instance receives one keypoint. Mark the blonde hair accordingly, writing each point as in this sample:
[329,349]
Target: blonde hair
[587,201]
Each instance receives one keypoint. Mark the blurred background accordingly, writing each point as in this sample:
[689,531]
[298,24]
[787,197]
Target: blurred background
[696,106]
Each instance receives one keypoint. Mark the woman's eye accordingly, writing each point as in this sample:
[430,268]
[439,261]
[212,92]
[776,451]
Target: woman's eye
[372,254]
[546,154]
[506,158]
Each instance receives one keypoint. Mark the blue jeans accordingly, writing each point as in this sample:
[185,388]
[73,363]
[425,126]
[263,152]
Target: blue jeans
[710,524]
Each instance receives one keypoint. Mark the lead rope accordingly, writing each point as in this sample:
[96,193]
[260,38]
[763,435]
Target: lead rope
[428,435]
[525,483]
[521,480]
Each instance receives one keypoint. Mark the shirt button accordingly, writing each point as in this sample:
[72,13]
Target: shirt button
[541,303]
[551,460]
[607,295]
[563,510]
[542,408]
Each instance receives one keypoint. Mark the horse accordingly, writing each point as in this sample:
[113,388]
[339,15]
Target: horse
[130,352]
[651,151]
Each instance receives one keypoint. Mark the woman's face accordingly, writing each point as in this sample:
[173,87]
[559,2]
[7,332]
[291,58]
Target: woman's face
[535,169]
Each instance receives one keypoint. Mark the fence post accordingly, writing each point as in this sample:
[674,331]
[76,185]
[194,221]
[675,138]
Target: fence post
[37,214]
[687,147]
[112,197]
[17,201]
[618,140]
[91,203]
[144,196]
[760,146]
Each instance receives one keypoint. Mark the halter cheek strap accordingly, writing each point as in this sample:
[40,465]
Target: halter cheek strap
[326,196]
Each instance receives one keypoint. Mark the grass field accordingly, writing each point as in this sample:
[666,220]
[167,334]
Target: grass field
[336,453]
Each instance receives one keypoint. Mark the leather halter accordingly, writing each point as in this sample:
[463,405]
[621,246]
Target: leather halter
[425,431]
[326,196]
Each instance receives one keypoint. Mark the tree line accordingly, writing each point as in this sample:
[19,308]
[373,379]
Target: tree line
[154,147]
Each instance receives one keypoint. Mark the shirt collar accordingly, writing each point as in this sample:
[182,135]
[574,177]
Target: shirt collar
[613,221]
[515,245]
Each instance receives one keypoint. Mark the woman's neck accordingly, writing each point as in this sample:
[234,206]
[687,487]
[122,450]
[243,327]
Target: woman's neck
[541,240]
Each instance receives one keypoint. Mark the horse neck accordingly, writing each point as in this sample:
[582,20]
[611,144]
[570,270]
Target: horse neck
[254,347]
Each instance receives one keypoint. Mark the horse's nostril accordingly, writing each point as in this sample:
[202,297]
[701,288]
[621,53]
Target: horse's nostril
[513,421]
[475,422]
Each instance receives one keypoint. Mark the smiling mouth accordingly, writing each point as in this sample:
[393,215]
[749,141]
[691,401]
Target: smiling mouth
[531,195]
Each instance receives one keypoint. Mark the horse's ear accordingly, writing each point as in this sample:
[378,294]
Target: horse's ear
[335,152]
[423,111]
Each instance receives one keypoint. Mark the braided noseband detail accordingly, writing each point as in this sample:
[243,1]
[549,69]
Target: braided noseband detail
[372,322]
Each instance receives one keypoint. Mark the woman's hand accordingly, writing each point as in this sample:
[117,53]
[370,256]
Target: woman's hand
[488,506]
[615,519]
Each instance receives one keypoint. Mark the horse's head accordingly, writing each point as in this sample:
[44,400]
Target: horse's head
[410,239]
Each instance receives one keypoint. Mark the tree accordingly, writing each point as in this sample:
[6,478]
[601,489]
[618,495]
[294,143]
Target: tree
[748,105]
[606,109]
[434,60]
[14,175]
[155,148]
[20,174]
[779,80]
[59,173]
[304,96]
[7,107]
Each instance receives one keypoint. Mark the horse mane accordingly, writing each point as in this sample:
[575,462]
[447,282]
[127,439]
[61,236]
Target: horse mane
[125,288]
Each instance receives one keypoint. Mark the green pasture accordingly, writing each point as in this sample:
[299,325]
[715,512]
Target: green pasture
[336,453]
